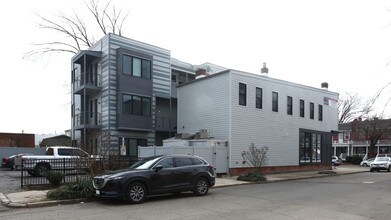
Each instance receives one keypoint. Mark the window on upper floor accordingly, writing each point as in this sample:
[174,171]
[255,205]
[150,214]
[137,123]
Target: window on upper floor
[301,108]
[242,94]
[136,105]
[136,67]
[258,97]
[275,101]
[320,113]
[312,109]
[289,105]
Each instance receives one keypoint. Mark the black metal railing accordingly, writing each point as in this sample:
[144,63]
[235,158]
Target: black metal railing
[91,118]
[87,79]
[34,171]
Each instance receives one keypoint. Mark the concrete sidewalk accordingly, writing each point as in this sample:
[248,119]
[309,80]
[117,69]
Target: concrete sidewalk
[36,198]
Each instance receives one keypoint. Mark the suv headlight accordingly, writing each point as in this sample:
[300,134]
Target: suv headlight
[115,178]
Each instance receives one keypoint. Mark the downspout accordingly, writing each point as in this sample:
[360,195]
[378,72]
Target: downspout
[84,102]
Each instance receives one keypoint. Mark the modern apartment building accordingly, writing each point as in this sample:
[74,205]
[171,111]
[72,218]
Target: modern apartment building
[124,95]
[294,121]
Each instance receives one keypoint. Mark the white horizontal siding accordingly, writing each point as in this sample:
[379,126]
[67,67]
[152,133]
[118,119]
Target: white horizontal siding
[277,130]
[204,105]
[213,103]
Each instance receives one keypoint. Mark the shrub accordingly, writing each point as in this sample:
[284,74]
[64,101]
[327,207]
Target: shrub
[252,176]
[54,178]
[77,190]
[354,159]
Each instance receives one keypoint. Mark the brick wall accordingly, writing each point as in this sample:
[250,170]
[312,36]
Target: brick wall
[17,140]
[280,169]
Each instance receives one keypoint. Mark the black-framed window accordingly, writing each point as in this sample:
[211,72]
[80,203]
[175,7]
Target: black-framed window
[258,97]
[275,101]
[312,109]
[320,113]
[131,145]
[289,105]
[310,147]
[242,94]
[136,67]
[136,105]
[301,108]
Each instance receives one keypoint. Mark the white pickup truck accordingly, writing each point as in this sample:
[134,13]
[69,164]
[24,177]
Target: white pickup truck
[56,158]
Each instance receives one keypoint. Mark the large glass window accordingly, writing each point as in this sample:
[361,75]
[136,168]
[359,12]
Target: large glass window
[310,147]
[127,64]
[301,108]
[289,105]
[127,104]
[242,93]
[136,105]
[320,113]
[312,109]
[146,71]
[146,106]
[136,67]
[131,145]
[258,97]
[275,102]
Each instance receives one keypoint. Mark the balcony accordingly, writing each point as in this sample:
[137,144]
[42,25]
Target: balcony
[165,123]
[93,120]
[92,84]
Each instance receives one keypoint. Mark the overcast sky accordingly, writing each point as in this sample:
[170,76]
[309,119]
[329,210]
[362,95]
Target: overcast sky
[345,43]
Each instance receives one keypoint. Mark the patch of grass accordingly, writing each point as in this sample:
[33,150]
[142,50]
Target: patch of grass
[252,176]
[78,190]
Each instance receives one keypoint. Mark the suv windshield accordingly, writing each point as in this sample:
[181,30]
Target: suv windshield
[145,163]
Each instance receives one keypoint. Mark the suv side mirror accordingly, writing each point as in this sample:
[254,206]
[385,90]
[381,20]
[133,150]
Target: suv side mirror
[158,167]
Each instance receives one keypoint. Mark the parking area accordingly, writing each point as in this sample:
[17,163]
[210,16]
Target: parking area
[10,180]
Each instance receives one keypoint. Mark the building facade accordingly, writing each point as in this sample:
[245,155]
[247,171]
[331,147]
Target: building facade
[294,121]
[124,95]
[368,138]
[17,140]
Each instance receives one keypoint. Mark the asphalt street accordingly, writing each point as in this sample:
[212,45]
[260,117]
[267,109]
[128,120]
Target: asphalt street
[355,196]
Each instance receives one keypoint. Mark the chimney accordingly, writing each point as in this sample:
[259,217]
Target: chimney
[201,73]
[325,85]
[264,69]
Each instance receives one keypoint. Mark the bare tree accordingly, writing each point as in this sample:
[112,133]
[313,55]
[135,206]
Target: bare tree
[77,32]
[351,106]
[255,157]
[371,130]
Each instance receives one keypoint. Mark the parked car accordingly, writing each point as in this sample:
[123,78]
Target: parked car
[39,165]
[9,162]
[367,162]
[336,161]
[157,175]
[381,163]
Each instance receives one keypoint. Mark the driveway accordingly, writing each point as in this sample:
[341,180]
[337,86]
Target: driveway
[10,181]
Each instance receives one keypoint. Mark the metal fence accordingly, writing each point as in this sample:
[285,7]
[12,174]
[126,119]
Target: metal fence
[34,171]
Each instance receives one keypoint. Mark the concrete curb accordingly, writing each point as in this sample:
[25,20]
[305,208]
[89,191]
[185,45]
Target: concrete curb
[6,201]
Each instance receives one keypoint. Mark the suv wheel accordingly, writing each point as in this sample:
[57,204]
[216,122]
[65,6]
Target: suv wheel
[371,170]
[136,193]
[201,187]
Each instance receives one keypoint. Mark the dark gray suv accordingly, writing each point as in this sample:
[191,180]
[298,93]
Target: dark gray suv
[157,175]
